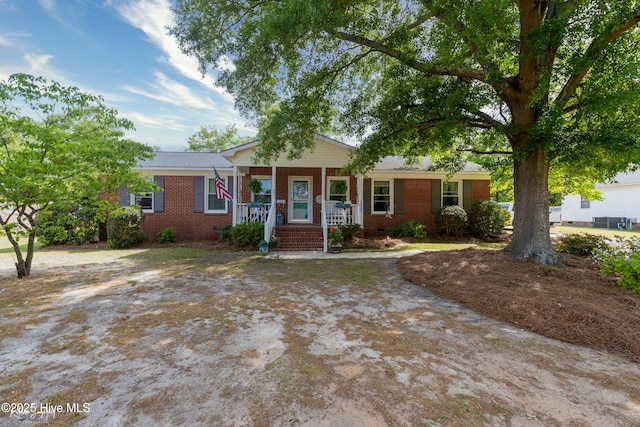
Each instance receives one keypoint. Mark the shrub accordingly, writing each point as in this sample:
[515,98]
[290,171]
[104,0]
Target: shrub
[247,234]
[68,223]
[452,220]
[486,219]
[411,228]
[622,258]
[167,236]
[225,232]
[580,243]
[124,227]
[349,231]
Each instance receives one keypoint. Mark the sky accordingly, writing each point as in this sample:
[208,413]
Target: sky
[118,49]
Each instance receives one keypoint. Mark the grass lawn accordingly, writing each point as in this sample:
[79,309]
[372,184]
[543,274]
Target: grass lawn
[571,229]
[181,335]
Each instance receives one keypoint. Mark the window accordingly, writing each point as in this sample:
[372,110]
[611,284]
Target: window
[584,203]
[212,203]
[451,193]
[144,200]
[263,196]
[338,189]
[381,196]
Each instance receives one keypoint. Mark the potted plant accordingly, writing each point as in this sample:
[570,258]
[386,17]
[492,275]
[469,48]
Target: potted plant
[274,242]
[335,239]
[255,186]
[340,187]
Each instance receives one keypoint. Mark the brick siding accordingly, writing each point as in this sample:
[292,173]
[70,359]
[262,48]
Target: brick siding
[178,213]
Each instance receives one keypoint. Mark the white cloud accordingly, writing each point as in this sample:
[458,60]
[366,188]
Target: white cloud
[172,92]
[5,42]
[153,17]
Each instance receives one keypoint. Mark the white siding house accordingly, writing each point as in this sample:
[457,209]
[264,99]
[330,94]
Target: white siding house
[621,200]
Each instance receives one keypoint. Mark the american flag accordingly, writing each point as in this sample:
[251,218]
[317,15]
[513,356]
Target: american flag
[221,190]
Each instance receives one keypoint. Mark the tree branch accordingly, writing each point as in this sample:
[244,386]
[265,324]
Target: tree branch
[592,54]
[479,75]
[474,151]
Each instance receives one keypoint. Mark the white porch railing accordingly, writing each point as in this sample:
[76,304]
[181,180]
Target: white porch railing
[252,212]
[340,214]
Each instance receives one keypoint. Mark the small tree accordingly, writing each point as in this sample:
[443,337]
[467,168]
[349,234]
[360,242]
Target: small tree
[211,139]
[57,144]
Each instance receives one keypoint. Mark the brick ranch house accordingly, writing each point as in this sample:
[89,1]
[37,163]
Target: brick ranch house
[300,199]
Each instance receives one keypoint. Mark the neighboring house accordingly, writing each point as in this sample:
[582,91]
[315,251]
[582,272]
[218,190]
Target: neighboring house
[621,204]
[300,198]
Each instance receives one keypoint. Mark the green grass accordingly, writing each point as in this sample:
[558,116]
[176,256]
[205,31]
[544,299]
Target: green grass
[571,229]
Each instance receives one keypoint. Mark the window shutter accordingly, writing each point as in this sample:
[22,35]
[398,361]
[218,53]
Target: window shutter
[158,196]
[198,193]
[436,195]
[398,196]
[366,197]
[124,199]
[230,189]
[467,194]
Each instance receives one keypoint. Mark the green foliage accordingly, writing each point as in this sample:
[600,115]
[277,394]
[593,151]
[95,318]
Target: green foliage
[225,233]
[210,139]
[124,227]
[68,223]
[487,218]
[437,78]
[583,244]
[411,228]
[621,257]
[335,236]
[247,234]
[58,144]
[349,231]
[452,220]
[167,236]
[506,217]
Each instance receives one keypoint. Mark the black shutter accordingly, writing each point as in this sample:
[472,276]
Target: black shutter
[158,196]
[366,197]
[123,196]
[398,196]
[436,195]
[198,193]
[467,194]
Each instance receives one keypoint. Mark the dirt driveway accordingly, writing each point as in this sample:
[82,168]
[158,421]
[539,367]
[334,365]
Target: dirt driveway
[208,338]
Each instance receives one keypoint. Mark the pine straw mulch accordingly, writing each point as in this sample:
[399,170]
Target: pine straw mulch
[574,303]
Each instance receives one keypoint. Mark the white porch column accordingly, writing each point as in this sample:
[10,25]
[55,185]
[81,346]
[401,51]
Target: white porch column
[360,190]
[234,219]
[273,185]
[323,188]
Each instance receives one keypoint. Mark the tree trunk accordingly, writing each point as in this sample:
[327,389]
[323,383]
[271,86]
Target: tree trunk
[531,240]
[23,266]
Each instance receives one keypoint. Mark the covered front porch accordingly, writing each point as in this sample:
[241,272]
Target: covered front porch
[297,204]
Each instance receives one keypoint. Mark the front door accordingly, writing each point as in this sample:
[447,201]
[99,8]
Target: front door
[300,207]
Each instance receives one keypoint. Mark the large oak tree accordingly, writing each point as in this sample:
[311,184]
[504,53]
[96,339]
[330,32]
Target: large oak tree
[551,83]
[57,145]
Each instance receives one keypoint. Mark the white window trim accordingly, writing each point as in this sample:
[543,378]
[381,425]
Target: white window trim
[262,177]
[206,195]
[132,198]
[460,190]
[337,178]
[374,212]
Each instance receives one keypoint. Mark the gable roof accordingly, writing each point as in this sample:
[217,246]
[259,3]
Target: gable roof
[184,160]
[398,163]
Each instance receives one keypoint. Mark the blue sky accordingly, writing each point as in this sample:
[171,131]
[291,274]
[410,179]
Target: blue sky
[118,49]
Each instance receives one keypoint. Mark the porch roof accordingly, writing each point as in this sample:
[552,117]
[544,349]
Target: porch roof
[398,163]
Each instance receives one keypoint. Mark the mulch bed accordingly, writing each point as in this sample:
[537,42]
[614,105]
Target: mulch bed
[575,303]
